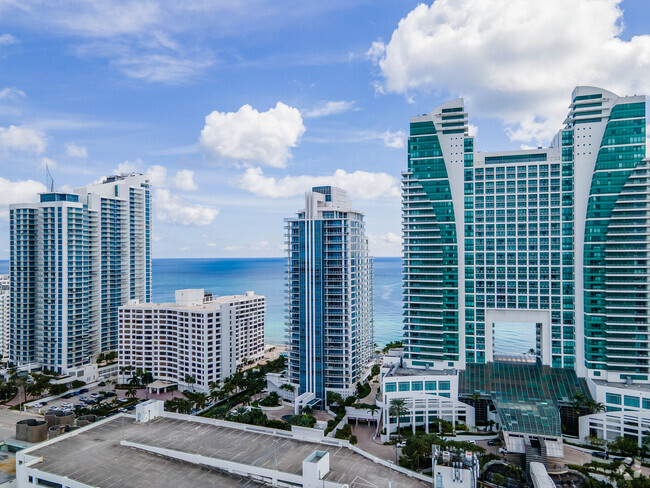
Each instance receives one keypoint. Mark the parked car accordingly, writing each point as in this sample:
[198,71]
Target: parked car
[101,383]
[493,442]
[37,405]
[83,390]
[122,410]
[94,395]
[43,403]
[503,450]
[109,394]
[68,395]
[600,454]
[131,407]
[401,444]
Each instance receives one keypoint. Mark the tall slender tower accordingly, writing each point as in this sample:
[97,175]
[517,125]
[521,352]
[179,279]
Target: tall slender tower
[329,295]
[74,259]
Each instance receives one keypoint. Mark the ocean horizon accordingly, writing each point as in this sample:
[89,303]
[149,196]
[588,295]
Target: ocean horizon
[265,276]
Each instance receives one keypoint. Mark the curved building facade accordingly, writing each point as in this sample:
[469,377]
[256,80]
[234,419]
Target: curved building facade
[555,236]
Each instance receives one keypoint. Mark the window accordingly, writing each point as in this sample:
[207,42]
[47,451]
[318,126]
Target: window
[430,385]
[416,386]
[404,386]
[613,398]
[390,387]
[445,385]
[631,401]
[646,403]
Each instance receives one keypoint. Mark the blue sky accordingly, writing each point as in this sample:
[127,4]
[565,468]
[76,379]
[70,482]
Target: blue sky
[237,108]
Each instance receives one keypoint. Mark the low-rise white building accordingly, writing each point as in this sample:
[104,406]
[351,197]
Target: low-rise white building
[627,411]
[427,394]
[198,336]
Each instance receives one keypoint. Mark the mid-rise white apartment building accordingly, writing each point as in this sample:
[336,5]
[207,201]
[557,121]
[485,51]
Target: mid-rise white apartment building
[198,336]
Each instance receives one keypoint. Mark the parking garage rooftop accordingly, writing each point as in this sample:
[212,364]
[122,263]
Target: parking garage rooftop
[103,455]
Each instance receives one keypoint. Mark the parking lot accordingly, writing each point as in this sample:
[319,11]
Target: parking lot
[87,397]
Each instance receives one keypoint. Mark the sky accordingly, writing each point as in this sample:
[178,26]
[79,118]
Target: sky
[236,108]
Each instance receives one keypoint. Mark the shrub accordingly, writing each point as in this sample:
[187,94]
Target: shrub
[57,389]
[353,439]
[272,400]
[78,383]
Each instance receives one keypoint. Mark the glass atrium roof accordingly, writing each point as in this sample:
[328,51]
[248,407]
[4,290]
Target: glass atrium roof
[526,396]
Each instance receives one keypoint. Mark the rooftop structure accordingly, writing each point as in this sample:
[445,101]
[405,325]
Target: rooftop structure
[178,451]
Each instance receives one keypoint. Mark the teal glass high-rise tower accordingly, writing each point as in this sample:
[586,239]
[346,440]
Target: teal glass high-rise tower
[74,259]
[555,236]
[329,296]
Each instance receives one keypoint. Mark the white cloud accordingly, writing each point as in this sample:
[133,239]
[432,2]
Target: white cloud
[210,244]
[11,94]
[164,68]
[175,210]
[389,244]
[22,138]
[251,136]
[7,40]
[74,151]
[186,248]
[157,238]
[396,140]
[259,245]
[184,180]
[329,107]
[48,163]
[157,176]
[232,248]
[359,184]
[18,192]
[127,167]
[515,60]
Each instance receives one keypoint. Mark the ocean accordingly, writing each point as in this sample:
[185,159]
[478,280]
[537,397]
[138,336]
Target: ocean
[265,276]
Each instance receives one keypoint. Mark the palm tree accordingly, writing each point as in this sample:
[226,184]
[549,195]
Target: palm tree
[130,391]
[190,380]
[146,379]
[288,387]
[490,424]
[200,399]
[398,409]
[578,401]
[241,411]
[372,409]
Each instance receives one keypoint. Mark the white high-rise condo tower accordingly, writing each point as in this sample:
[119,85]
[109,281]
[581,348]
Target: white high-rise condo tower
[329,296]
[74,259]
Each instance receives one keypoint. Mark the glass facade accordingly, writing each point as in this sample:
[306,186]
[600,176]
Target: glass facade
[74,259]
[329,294]
[562,230]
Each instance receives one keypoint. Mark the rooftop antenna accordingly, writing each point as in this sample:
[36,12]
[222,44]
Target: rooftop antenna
[49,181]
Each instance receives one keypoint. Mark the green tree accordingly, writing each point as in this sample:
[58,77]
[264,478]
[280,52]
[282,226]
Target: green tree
[288,387]
[628,446]
[146,378]
[498,479]
[130,391]
[398,409]
[190,380]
